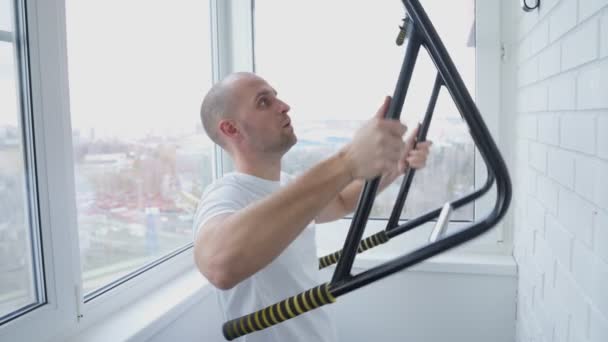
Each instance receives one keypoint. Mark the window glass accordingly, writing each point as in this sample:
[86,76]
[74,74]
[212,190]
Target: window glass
[137,73]
[335,70]
[6,11]
[19,261]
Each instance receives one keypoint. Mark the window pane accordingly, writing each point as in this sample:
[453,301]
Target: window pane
[335,72]
[138,71]
[17,276]
[6,12]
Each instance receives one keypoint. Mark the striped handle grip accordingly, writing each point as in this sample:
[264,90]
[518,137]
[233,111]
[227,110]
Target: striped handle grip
[278,312]
[367,243]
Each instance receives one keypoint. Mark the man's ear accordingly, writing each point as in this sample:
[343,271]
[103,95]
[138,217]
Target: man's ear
[228,128]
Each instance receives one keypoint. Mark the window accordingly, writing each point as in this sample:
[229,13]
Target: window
[106,96]
[5,15]
[137,73]
[335,76]
[347,71]
[21,285]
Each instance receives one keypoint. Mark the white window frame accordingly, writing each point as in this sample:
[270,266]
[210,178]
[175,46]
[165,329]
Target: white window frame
[488,62]
[66,313]
[46,99]
[16,38]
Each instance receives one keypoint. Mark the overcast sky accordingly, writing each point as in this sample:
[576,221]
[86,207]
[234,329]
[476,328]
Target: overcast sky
[142,66]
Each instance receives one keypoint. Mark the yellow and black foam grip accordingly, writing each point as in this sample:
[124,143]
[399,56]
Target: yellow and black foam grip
[279,312]
[367,243]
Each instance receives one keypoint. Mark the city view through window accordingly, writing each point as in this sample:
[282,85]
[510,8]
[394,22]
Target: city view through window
[335,77]
[141,159]
[334,73]
[17,267]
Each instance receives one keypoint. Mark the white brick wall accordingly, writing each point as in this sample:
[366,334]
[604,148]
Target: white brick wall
[571,128]
[548,129]
[580,46]
[591,86]
[562,91]
[560,168]
[602,133]
[604,33]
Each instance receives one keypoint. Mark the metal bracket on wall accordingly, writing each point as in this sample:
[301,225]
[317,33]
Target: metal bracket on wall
[530,5]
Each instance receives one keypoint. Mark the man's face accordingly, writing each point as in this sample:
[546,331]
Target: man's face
[262,117]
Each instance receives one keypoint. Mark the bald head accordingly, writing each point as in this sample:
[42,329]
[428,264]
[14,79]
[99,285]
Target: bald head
[219,104]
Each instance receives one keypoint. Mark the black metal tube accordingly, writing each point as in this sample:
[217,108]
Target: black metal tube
[366,200]
[458,90]
[342,281]
[421,32]
[405,75]
[484,142]
[424,218]
[393,220]
[463,101]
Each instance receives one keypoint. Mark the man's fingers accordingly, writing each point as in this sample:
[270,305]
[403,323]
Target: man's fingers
[416,162]
[414,133]
[411,139]
[393,127]
[424,146]
[419,153]
[384,108]
[417,159]
[403,165]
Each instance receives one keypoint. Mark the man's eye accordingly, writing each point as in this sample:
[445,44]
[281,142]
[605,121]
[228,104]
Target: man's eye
[264,102]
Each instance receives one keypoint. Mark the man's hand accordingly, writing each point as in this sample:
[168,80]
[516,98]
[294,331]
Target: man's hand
[404,155]
[377,147]
[414,156]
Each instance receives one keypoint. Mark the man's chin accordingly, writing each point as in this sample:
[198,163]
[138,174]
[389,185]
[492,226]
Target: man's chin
[291,144]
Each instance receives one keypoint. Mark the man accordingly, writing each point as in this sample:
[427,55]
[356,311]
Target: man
[254,228]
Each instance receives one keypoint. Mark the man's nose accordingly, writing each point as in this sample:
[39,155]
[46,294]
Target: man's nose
[284,107]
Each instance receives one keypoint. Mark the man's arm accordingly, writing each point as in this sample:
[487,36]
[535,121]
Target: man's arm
[230,248]
[346,201]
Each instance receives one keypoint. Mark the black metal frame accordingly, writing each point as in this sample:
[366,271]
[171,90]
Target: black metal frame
[420,32]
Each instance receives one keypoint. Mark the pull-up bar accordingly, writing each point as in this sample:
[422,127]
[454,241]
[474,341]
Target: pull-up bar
[420,32]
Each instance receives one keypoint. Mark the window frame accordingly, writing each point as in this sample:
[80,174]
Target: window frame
[54,313]
[16,38]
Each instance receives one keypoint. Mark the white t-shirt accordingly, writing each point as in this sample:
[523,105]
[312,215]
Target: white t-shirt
[294,271]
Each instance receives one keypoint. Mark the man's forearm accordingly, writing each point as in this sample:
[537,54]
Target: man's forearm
[350,195]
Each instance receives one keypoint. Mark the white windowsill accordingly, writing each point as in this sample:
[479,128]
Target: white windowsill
[147,316]
[482,264]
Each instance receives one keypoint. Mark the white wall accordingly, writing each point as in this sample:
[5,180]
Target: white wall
[409,306]
[559,88]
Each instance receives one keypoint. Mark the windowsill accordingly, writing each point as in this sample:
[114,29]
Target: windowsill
[482,264]
[144,318]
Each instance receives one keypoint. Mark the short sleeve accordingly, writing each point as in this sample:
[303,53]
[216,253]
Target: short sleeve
[217,200]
